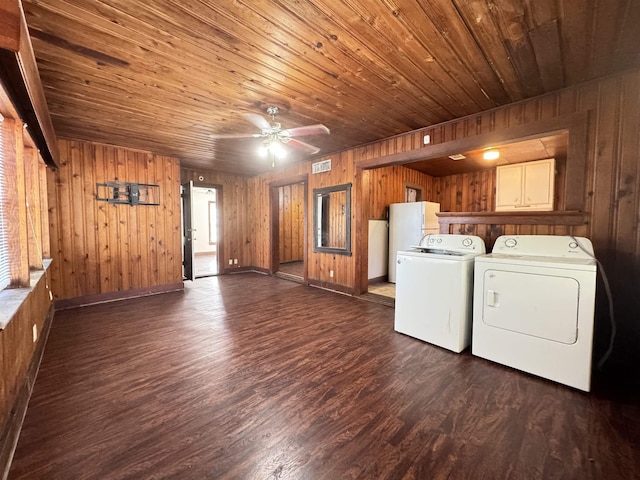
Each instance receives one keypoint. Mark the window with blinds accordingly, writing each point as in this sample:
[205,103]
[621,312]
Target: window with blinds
[5,272]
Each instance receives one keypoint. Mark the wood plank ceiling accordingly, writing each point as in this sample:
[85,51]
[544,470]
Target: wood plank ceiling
[169,75]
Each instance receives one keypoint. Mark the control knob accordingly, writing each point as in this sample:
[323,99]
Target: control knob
[510,242]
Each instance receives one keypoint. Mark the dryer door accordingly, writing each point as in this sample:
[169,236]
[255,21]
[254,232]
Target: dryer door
[544,306]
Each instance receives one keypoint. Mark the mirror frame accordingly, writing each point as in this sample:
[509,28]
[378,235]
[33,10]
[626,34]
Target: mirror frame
[346,187]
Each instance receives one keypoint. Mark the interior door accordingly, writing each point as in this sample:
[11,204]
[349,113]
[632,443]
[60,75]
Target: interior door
[187,229]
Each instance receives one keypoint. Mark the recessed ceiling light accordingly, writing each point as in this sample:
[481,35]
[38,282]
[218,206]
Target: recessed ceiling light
[457,156]
[491,155]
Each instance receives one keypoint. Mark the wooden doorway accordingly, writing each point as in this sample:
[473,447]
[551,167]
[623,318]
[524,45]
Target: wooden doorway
[205,204]
[289,229]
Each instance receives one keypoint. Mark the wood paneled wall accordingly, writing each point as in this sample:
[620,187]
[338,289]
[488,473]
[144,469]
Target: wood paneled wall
[235,234]
[17,345]
[386,185]
[468,192]
[319,265]
[611,186]
[15,201]
[334,228]
[475,191]
[490,232]
[101,248]
[291,220]
[17,372]
[27,304]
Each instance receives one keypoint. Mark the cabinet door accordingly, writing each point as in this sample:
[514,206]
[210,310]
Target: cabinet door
[509,187]
[525,186]
[539,184]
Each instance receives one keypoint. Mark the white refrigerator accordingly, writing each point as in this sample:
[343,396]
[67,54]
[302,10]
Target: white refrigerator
[408,223]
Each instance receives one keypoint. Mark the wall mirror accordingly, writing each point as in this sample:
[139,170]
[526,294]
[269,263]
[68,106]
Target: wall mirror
[332,219]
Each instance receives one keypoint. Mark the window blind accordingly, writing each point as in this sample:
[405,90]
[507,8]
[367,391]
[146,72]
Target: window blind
[5,272]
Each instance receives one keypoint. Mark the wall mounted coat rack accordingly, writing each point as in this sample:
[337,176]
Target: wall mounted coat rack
[128,193]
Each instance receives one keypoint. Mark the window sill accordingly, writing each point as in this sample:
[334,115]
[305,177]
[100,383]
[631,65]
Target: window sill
[11,299]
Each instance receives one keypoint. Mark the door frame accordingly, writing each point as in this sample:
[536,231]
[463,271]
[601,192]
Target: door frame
[186,197]
[219,219]
[274,222]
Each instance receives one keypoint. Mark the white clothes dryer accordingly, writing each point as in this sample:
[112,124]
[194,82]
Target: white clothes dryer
[534,298]
[434,288]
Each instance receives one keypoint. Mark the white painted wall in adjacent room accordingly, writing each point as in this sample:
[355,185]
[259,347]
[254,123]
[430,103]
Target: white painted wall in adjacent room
[201,199]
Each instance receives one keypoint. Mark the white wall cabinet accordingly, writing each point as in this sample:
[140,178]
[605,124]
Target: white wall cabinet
[525,186]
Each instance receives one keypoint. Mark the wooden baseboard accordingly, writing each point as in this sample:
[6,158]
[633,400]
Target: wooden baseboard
[331,286]
[260,270]
[11,431]
[115,296]
[314,283]
[384,278]
[290,277]
[245,270]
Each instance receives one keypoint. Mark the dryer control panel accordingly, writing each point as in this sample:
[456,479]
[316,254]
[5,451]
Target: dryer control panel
[544,246]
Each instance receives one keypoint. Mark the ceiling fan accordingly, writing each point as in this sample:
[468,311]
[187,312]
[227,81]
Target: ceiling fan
[274,136]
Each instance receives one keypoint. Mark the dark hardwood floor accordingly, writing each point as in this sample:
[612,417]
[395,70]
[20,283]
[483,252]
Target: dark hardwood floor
[253,377]
[292,268]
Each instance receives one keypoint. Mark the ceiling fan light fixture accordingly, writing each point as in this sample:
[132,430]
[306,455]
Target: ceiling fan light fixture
[274,137]
[273,148]
[277,149]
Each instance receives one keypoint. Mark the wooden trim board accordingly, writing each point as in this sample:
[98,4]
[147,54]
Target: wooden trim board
[116,296]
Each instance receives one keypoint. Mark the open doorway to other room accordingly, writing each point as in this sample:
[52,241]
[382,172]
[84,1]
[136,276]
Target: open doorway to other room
[289,237]
[205,237]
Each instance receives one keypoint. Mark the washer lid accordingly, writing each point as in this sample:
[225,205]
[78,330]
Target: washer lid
[421,252]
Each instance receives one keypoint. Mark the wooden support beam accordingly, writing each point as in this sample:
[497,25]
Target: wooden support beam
[21,80]
[16,203]
[10,13]
[44,210]
[33,220]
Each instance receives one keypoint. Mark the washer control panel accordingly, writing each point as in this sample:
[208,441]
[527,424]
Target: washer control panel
[453,243]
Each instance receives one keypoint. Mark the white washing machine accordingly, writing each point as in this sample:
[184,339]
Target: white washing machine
[534,298]
[434,288]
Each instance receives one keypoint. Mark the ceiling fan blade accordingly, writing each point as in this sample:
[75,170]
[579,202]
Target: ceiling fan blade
[258,120]
[234,135]
[306,130]
[308,149]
